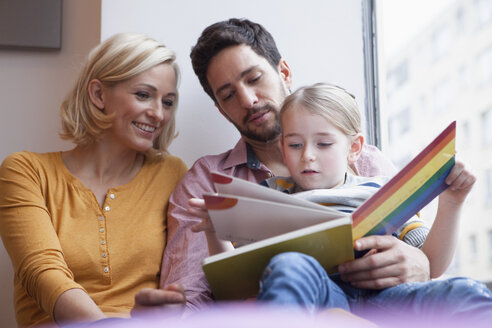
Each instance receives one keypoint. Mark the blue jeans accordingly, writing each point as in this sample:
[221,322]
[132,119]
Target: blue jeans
[298,279]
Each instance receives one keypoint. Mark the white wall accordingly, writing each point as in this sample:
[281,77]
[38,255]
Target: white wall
[320,39]
[32,86]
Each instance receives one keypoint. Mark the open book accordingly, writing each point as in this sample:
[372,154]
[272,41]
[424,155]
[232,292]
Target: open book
[271,222]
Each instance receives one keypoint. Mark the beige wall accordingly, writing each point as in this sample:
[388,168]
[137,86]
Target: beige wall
[32,86]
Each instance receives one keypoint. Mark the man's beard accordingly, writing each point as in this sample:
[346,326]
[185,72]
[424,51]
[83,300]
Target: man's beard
[266,134]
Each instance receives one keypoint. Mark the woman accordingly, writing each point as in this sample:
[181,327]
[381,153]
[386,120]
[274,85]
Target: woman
[85,228]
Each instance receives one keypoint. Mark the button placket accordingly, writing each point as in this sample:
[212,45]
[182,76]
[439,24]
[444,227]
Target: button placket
[103,236]
[103,249]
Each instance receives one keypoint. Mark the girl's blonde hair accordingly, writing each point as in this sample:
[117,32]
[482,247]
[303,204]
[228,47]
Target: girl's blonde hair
[119,58]
[331,102]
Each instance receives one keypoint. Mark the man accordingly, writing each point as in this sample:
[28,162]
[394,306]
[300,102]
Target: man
[239,66]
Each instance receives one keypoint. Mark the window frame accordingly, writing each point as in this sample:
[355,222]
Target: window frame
[373,116]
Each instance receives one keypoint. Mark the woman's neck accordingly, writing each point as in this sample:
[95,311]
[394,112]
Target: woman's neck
[97,164]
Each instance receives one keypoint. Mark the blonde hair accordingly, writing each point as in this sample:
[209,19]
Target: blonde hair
[329,101]
[119,58]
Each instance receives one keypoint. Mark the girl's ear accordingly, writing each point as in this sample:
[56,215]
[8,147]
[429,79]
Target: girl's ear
[95,90]
[355,148]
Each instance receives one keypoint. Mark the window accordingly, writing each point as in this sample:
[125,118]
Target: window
[454,266]
[464,79]
[487,127]
[399,125]
[441,43]
[463,135]
[398,76]
[473,248]
[483,10]
[442,96]
[460,20]
[488,181]
[423,105]
[490,247]
[484,68]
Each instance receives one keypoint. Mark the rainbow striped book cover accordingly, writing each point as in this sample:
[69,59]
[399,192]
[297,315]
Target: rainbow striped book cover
[418,183]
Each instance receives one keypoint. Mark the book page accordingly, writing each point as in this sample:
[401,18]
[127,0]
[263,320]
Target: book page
[225,184]
[245,220]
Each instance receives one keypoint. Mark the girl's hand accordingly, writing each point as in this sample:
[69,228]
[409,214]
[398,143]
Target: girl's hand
[215,245]
[460,182]
[198,209]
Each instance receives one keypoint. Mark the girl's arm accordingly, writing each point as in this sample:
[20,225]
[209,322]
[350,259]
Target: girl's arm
[215,245]
[441,240]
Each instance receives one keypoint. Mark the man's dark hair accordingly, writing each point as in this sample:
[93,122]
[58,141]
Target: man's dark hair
[229,33]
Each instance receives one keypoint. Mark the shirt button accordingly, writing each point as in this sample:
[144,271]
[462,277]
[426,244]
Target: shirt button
[104,255]
[106,269]
[101,218]
[107,208]
[111,196]
[101,230]
[103,242]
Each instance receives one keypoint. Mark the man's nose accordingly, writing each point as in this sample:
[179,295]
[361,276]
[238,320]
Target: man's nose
[247,97]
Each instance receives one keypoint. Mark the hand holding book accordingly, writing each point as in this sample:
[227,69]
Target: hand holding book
[215,245]
[199,209]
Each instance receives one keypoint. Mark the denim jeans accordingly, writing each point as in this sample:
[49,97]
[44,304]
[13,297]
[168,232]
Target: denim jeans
[298,279]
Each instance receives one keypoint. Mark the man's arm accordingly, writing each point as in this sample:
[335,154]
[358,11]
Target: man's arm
[186,249]
[389,263]
[373,162]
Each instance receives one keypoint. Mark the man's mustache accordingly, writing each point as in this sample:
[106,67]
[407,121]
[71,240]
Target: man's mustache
[253,111]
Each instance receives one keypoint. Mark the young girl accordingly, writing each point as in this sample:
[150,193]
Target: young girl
[321,137]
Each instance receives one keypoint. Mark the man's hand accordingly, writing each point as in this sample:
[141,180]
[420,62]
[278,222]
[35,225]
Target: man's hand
[154,301]
[389,262]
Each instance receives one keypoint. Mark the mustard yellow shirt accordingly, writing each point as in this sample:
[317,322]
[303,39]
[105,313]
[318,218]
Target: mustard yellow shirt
[59,238]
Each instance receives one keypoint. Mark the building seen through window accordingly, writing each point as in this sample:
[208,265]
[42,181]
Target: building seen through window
[438,69]
[486,127]
[490,247]
[488,181]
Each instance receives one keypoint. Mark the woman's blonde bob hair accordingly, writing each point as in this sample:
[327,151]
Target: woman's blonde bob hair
[329,101]
[117,59]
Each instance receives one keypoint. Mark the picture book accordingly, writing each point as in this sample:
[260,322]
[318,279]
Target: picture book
[268,222]
[235,275]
